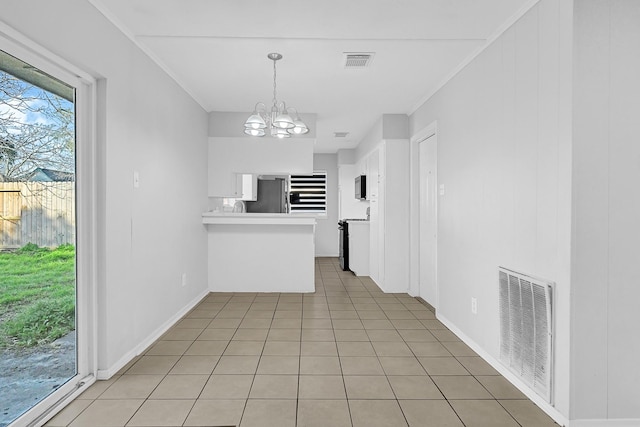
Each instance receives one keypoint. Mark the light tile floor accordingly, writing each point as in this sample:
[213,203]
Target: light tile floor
[346,355]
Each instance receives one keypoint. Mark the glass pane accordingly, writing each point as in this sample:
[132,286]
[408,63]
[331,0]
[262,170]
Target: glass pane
[37,236]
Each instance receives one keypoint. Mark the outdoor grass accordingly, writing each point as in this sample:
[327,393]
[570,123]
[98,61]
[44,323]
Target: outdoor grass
[37,295]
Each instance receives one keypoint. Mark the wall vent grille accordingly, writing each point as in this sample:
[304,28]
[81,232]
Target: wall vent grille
[526,329]
[357,60]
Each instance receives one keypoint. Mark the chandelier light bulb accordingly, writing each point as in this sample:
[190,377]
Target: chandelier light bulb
[300,128]
[255,121]
[280,133]
[254,132]
[284,121]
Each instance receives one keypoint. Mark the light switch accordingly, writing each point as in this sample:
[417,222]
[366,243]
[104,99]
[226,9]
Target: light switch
[136,179]
[441,189]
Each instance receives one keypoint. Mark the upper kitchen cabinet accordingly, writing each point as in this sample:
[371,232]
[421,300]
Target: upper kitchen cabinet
[246,187]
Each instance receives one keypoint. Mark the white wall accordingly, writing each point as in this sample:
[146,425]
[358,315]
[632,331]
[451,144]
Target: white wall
[606,159]
[147,236]
[369,143]
[350,207]
[327,237]
[346,156]
[389,126]
[505,162]
[228,156]
[229,124]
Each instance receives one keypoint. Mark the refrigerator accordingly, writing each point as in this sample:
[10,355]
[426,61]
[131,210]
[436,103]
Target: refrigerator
[272,197]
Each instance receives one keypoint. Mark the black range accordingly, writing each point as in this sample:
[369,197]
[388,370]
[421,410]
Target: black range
[343,226]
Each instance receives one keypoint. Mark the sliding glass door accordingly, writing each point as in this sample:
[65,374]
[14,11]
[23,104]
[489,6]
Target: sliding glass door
[45,329]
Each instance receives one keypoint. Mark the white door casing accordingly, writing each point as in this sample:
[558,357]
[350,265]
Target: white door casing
[428,220]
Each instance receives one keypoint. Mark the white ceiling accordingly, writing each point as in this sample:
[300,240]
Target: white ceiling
[217,50]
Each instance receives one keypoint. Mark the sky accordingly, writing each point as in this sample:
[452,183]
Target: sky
[43,150]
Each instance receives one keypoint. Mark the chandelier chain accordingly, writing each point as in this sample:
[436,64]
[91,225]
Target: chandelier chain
[275,100]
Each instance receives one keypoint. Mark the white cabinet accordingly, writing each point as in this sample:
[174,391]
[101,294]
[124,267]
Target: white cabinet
[243,186]
[394,202]
[359,247]
[376,257]
[388,181]
[246,187]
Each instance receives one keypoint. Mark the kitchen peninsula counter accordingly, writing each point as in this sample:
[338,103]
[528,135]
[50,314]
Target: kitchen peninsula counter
[260,252]
[256,218]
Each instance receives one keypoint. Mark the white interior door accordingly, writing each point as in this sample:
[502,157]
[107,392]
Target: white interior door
[428,220]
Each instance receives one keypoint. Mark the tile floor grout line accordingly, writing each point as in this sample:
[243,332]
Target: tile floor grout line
[190,409]
[344,383]
[214,367]
[342,289]
[144,400]
[246,402]
[507,411]
[454,410]
[210,374]
[343,380]
[299,363]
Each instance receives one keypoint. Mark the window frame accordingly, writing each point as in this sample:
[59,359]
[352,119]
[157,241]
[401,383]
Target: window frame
[23,48]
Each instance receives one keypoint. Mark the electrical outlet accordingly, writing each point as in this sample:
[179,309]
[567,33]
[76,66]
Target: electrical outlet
[474,305]
[184,279]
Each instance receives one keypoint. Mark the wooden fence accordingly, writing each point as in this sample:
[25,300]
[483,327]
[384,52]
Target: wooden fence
[37,212]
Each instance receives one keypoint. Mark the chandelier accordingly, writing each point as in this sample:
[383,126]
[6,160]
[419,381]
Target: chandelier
[281,122]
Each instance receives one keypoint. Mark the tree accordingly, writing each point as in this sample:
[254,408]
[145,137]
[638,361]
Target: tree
[37,129]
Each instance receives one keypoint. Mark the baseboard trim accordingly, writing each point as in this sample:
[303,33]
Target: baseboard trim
[545,406]
[626,422]
[105,374]
[426,304]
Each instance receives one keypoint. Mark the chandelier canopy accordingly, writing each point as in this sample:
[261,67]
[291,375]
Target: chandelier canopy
[281,122]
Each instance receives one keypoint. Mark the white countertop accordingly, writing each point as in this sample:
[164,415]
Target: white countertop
[231,218]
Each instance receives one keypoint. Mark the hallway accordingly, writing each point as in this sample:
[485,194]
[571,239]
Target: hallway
[346,355]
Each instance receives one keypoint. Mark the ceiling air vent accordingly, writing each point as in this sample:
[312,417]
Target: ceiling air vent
[340,134]
[357,60]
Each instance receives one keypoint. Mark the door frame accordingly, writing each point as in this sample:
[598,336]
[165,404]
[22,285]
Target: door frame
[425,133]
[28,51]
[431,277]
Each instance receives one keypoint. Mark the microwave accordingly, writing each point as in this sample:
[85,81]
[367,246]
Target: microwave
[361,187]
